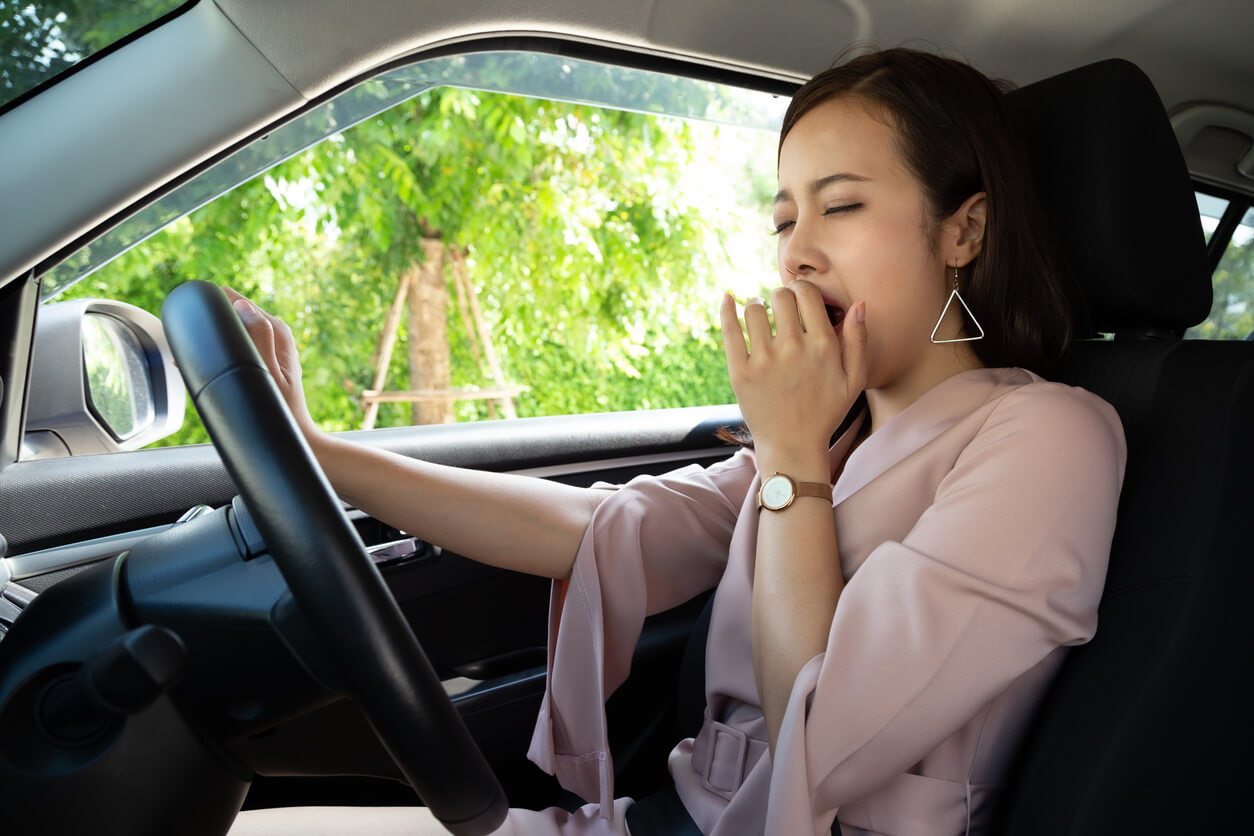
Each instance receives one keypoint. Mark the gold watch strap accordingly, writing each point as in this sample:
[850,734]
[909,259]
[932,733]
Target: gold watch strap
[819,489]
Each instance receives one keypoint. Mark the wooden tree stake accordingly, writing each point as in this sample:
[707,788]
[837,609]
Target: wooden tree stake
[459,283]
[494,365]
[383,351]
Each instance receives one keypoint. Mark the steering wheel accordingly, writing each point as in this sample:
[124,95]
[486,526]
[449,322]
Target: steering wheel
[325,564]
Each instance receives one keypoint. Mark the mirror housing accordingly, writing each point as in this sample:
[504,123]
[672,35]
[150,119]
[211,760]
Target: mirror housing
[102,379]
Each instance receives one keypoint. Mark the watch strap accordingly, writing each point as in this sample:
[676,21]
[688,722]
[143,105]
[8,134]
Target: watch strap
[819,489]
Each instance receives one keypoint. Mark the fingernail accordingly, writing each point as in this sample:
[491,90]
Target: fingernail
[244,307]
[755,300]
[860,314]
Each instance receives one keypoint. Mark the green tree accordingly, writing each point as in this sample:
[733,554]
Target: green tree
[584,251]
[1232,309]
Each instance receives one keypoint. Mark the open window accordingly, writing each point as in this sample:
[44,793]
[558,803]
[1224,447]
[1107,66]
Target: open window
[479,236]
[1229,226]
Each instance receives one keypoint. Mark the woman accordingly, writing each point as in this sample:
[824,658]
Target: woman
[879,670]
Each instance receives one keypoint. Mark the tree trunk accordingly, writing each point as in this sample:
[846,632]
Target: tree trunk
[430,365]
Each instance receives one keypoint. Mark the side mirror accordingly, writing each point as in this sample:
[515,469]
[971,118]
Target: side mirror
[102,379]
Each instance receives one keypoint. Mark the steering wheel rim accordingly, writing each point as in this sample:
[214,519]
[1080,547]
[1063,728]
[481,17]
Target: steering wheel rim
[325,564]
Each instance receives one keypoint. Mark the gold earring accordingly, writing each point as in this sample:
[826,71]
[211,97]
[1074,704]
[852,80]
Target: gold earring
[954,294]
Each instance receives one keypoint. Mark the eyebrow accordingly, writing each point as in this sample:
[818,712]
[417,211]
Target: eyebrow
[822,183]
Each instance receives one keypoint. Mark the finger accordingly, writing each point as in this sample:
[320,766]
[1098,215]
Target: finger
[261,331]
[250,306]
[757,324]
[853,338]
[810,308]
[787,319]
[733,337]
[271,335]
[285,349]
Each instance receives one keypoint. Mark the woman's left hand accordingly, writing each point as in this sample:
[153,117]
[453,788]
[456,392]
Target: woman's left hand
[795,385]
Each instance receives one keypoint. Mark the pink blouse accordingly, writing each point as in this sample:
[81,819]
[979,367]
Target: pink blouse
[974,530]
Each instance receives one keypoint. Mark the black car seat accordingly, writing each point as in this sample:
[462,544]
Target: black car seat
[1148,727]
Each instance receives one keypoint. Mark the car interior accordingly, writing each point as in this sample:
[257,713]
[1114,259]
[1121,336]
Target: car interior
[163,667]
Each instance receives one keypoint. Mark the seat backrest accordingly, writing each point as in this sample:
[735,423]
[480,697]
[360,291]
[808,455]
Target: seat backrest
[1147,728]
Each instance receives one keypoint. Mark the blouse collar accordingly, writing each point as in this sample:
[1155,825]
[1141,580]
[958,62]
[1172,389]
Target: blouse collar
[935,411]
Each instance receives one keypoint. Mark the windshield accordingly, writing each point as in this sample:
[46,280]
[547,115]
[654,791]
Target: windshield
[40,40]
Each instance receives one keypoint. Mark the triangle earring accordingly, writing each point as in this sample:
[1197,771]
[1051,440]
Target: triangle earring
[954,294]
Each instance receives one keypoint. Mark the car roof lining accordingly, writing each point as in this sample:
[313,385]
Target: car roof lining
[235,66]
[78,137]
[308,39]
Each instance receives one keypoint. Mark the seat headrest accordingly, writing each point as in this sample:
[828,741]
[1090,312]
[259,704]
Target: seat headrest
[1111,175]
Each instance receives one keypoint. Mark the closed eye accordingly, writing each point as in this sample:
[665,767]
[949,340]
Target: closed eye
[832,210]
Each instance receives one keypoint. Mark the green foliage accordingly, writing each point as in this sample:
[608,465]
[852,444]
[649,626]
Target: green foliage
[1232,311]
[597,277]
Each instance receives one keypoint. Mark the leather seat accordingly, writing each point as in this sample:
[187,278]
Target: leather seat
[1148,727]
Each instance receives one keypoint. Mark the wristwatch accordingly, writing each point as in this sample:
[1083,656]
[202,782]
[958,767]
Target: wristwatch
[779,491]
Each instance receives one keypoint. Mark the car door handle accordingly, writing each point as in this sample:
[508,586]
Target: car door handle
[505,664]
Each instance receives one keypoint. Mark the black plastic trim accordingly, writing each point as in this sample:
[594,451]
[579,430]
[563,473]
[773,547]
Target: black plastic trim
[54,502]
[19,305]
[1219,239]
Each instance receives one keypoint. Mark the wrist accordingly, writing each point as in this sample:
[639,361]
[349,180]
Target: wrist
[318,441]
[811,465]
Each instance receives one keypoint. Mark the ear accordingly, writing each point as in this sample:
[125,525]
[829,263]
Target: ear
[962,236]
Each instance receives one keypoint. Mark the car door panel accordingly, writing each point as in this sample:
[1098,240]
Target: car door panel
[483,628]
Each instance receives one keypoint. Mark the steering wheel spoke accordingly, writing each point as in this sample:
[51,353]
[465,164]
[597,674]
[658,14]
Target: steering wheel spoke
[325,564]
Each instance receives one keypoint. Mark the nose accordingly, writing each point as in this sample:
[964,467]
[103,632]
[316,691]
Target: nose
[799,252]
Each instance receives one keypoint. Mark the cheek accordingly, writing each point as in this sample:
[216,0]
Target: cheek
[780,254]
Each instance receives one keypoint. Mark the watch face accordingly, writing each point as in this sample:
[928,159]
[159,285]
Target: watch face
[777,492]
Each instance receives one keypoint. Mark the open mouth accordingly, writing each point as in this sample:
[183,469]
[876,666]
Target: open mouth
[835,314]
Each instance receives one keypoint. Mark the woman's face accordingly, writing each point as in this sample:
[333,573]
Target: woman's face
[852,220]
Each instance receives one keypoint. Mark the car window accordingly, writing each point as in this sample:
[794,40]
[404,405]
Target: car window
[1232,311]
[477,237]
[40,40]
[1211,210]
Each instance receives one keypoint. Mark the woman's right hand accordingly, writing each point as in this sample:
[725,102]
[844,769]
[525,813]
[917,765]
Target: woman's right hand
[277,347]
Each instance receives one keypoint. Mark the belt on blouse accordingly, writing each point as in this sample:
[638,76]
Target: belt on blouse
[722,755]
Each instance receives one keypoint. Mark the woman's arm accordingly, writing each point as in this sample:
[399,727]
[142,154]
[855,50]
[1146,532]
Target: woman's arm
[794,386]
[797,581]
[515,522]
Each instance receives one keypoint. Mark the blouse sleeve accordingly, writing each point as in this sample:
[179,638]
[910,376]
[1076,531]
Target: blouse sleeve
[655,543]
[1006,565]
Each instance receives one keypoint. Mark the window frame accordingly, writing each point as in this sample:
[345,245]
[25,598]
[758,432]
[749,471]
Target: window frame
[1239,204]
[523,43]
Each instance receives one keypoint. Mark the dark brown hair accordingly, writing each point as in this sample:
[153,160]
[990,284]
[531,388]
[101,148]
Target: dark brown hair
[956,136]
